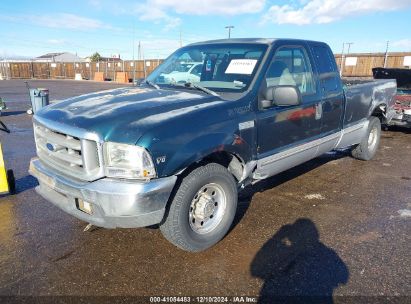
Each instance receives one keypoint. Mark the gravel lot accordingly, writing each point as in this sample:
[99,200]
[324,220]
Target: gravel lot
[332,227]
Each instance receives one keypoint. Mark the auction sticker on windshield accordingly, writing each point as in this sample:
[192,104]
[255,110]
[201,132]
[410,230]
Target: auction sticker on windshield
[241,66]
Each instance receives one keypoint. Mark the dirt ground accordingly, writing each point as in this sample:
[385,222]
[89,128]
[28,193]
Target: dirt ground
[334,227]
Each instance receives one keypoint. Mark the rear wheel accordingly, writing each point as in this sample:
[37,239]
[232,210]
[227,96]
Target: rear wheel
[368,147]
[202,210]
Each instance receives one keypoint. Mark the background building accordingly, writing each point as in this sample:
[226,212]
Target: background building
[59,57]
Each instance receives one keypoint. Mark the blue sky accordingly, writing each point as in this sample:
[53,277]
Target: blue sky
[32,28]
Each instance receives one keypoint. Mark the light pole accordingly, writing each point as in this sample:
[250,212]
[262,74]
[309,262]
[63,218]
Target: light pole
[229,27]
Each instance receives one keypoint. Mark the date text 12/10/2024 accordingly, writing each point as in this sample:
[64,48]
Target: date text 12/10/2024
[204,299]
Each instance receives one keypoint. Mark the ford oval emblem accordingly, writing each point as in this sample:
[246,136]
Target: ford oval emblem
[50,147]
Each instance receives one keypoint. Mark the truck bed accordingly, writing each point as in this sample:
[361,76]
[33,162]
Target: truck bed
[356,81]
[362,96]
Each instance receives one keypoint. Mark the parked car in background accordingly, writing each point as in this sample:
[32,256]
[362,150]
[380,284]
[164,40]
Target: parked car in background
[176,153]
[186,72]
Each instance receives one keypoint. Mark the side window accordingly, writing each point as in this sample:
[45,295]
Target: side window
[291,66]
[327,68]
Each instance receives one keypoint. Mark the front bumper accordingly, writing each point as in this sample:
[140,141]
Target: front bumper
[115,203]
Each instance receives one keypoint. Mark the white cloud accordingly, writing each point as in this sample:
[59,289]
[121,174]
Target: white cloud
[404,44]
[58,20]
[209,7]
[157,15]
[326,11]
[159,10]
[68,21]
[56,41]
[95,3]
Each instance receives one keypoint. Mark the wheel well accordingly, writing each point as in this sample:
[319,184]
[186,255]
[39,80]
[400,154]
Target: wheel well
[232,162]
[379,112]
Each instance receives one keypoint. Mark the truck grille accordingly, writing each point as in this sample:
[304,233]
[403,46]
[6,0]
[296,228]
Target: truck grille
[70,155]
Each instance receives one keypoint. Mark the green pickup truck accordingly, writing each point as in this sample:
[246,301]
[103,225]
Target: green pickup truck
[175,152]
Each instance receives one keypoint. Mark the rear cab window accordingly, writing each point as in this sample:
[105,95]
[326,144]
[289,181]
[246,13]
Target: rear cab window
[327,68]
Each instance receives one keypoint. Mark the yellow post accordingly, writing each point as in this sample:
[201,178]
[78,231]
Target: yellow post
[4,185]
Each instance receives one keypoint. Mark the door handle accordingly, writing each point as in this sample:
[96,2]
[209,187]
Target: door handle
[318,111]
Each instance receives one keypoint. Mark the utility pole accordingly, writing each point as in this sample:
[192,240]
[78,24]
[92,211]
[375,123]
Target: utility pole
[229,27]
[349,46]
[386,54]
[343,55]
[145,68]
[134,62]
[139,52]
[141,57]
[342,60]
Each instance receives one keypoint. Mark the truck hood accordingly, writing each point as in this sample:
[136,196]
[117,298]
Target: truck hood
[123,115]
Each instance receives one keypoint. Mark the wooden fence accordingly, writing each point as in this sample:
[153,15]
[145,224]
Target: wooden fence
[354,65]
[361,65]
[68,70]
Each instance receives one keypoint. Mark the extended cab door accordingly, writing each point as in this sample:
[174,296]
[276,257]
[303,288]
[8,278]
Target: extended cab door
[332,96]
[285,133]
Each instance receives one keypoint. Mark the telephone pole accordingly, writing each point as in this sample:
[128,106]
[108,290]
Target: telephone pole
[349,46]
[386,54]
[134,62]
[229,27]
[343,55]
[141,57]
[342,60]
[139,51]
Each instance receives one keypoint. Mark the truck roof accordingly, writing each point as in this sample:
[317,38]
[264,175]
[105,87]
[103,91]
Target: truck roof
[252,40]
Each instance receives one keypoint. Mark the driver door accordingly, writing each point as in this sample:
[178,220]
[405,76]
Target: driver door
[283,132]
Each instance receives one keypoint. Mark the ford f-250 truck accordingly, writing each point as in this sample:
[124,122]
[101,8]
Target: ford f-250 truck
[177,153]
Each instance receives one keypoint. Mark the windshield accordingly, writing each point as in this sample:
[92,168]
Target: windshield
[219,67]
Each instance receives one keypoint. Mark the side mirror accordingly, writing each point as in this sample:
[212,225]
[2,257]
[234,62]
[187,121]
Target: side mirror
[282,96]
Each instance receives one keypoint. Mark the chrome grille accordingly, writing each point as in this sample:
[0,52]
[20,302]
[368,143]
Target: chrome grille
[71,155]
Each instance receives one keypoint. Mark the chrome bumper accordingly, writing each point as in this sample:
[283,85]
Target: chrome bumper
[115,203]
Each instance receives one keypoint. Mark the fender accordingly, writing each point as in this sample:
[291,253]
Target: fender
[175,158]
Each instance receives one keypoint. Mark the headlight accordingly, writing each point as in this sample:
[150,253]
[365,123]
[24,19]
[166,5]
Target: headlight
[128,161]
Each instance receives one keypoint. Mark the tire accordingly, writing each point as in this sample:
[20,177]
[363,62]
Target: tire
[368,146]
[202,209]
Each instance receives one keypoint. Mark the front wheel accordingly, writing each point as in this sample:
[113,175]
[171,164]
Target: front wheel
[368,146]
[202,209]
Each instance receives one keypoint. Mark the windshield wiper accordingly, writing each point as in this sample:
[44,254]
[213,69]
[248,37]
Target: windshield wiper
[200,88]
[152,84]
